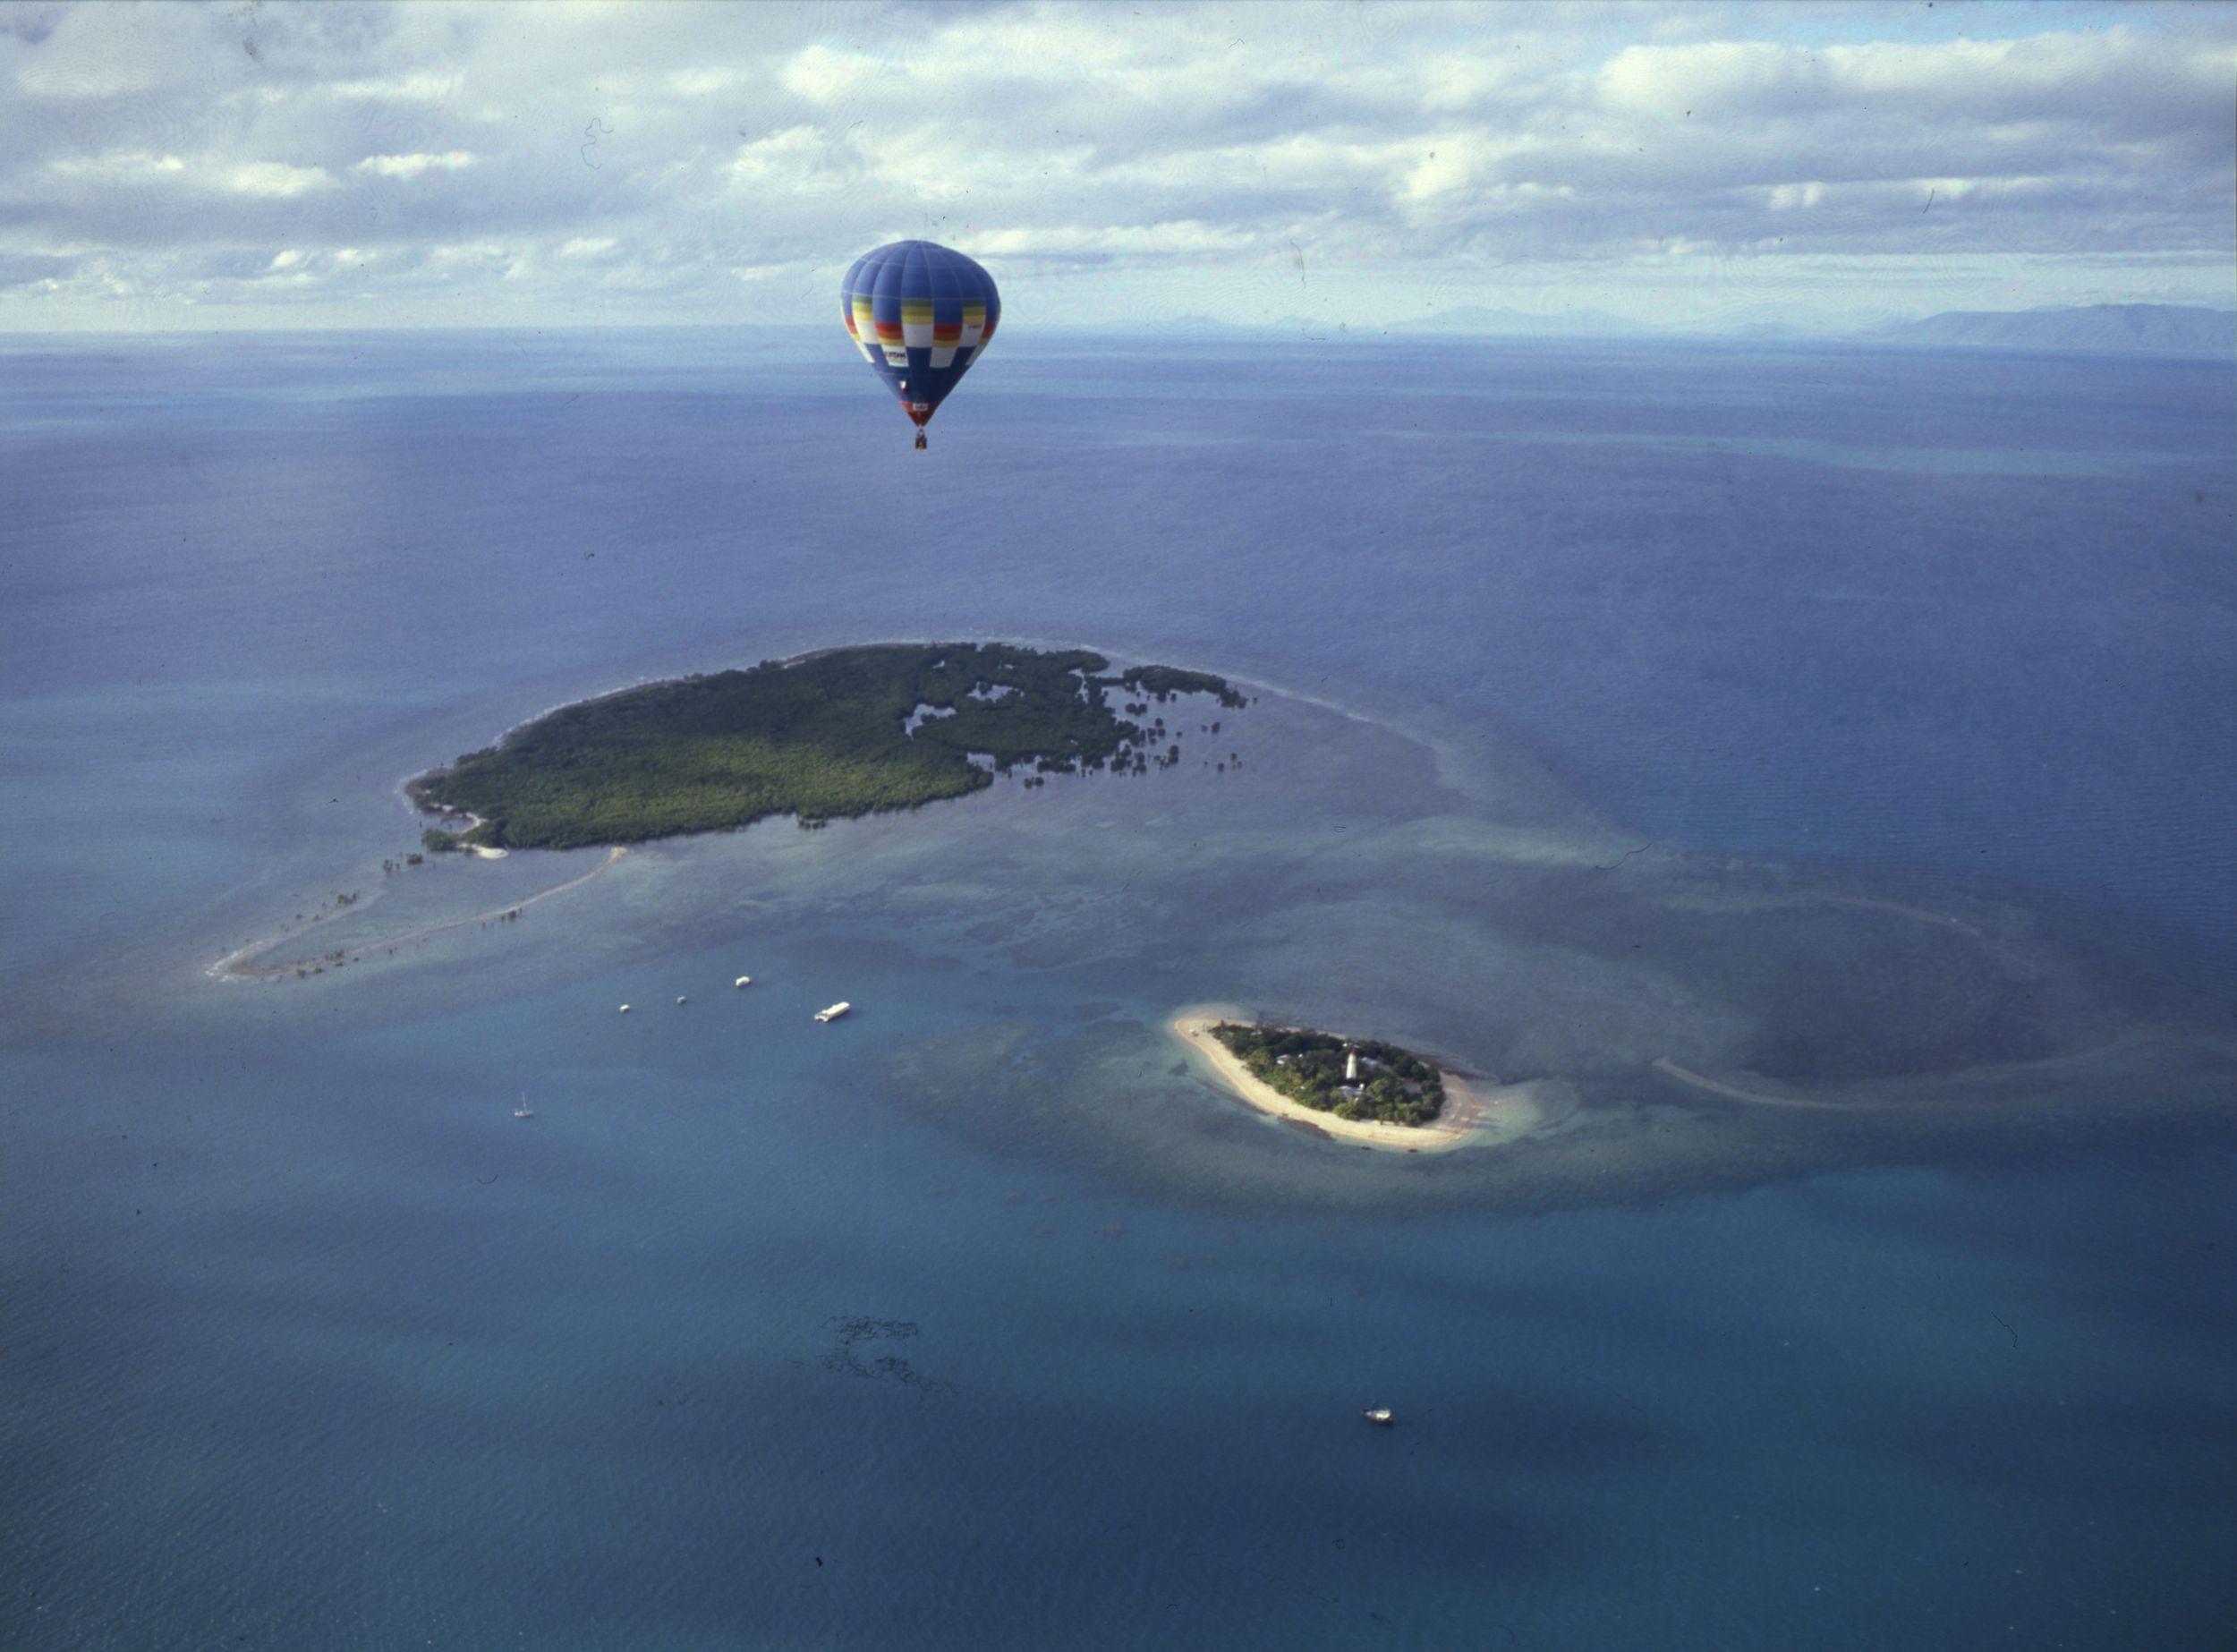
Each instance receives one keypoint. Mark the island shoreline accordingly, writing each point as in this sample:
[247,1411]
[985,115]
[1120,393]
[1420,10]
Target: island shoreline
[1471,1116]
[720,751]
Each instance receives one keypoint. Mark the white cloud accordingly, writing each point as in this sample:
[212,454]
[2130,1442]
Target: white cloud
[494,253]
[117,165]
[98,53]
[1073,240]
[797,157]
[2052,78]
[416,165]
[703,83]
[823,75]
[1459,160]
[420,86]
[1171,155]
[276,179]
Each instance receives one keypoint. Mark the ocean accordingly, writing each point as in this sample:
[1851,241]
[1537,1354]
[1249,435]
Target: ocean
[1611,703]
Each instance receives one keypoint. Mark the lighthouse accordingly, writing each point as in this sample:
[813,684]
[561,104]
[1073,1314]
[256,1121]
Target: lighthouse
[1351,1065]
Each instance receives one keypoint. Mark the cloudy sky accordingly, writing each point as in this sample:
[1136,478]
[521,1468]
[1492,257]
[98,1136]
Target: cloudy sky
[291,165]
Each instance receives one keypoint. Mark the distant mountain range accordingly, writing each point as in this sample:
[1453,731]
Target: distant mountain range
[2182,330]
[2171,329]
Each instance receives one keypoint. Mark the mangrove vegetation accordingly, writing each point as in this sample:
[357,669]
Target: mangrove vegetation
[848,732]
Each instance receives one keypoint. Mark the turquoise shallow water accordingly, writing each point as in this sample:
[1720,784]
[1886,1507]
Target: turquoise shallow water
[310,1343]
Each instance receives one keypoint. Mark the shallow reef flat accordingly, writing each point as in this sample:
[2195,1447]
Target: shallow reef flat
[1677,1019]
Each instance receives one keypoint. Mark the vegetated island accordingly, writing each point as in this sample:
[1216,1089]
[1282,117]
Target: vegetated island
[1353,1078]
[1361,1090]
[845,732]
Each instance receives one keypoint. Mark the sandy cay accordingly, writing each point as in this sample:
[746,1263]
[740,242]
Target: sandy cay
[1473,1115]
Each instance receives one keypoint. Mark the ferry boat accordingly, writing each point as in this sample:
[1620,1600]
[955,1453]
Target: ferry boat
[1380,1415]
[834,1012]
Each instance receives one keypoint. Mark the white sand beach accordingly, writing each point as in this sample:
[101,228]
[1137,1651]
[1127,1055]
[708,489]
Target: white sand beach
[1473,1115]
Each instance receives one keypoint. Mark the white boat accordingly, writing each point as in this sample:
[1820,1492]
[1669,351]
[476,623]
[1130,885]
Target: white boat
[743,981]
[523,1111]
[834,1012]
[1380,1414]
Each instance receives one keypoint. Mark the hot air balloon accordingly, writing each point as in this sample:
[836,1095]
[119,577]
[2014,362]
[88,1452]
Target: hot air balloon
[921,313]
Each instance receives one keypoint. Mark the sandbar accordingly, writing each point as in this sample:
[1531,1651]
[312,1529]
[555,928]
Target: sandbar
[1668,1068]
[1473,1115]
[237,965]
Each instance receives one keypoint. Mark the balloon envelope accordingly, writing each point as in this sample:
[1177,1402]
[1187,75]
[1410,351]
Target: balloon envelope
[921,313]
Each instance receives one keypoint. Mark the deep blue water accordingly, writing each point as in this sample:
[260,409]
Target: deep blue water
[309,1343]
